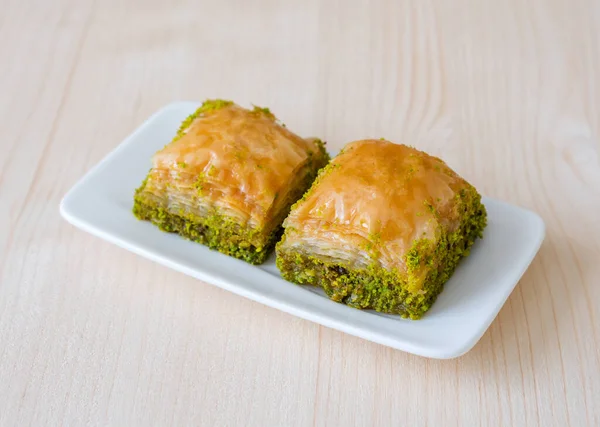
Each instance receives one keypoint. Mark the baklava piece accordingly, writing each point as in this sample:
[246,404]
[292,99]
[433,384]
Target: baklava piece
[383,227]
[228,179]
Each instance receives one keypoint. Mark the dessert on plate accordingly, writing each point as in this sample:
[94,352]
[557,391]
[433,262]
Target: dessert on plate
[228,179]
[383,227]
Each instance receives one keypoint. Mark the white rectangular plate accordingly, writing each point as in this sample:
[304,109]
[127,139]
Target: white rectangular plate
[101,203]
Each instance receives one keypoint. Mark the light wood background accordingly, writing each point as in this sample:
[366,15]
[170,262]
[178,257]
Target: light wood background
[507,91]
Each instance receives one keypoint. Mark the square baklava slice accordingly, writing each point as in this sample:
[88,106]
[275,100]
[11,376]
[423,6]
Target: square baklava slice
[383,227]
[228,179]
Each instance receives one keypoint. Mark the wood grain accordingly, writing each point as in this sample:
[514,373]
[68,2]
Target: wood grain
[508,92]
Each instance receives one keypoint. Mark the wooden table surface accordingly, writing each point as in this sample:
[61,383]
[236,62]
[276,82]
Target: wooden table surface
[507,91]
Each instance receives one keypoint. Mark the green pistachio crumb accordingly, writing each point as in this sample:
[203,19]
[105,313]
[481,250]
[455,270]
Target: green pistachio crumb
[206,107]
[375,238]
[199,184]
[264,111]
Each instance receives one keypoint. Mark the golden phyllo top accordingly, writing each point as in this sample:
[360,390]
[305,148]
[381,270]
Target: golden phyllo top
[241,161]
[374,200]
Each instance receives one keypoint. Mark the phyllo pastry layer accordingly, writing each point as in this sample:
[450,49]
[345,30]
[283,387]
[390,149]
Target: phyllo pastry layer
[228,179]
[383,227]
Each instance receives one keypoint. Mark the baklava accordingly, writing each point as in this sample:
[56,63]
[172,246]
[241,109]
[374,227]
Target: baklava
[383,227]
[228,179]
